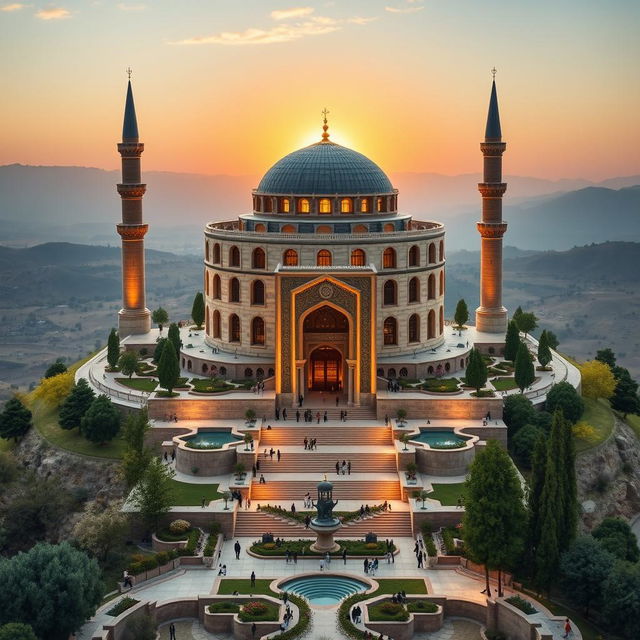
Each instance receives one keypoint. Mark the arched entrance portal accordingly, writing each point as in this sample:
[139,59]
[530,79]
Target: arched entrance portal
[326,369]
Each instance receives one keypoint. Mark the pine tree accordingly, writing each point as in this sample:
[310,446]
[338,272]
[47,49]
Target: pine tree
[168,368]
[525,373]
[174,337]
[544,353]
[54,369]
[516,314]
[101,422]
[197,310]
[494,519]
[153,495]
[75,405]
[476,373]
[511,341]
[462,313]
[625,396]
[113,349]
[15,420]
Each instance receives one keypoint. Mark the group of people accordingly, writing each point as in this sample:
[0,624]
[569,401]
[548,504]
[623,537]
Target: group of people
[393,386]
[310,443]
[344,468]
[370,566]
[166,457]
[343,416]
[307,501]
[222,569]
[420,551]
[258,387]
[288,615]
[272,452]
[290,556]
[282,413]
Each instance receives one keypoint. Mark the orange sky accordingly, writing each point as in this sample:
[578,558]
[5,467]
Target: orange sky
[229,87]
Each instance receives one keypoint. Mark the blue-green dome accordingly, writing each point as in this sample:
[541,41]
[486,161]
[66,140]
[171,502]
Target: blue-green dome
[325,168]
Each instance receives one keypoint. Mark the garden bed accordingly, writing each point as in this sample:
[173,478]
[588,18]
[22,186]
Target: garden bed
[138,384]
[387,611]
[122,605]
[202,385]
[524,605]
[504,384]
[354,548]
[224,607]
[441,385]
[422,606]
[259,611]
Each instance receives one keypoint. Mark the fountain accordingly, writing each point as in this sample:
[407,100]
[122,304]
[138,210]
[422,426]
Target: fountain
[324,524]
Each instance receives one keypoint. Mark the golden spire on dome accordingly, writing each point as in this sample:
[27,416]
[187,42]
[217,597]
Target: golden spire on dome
[325,126]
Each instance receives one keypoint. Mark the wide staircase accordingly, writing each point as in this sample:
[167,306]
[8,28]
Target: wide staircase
[342,435]
[333,413]
[254,523]
[372,491]
[391,524]
[321,463]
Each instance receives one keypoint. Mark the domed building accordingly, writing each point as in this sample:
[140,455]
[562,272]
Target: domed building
[325,279]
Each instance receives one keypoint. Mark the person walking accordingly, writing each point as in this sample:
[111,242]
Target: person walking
[237,548]
[325,417]
[344,556]
[278,455]
[257,464]
[420,560]
[253,579]
[277,413]
[366,565]
[318,417]
[172,631]
[204,500]
[338,467]
[297,415]
[262,480]
[307,521]
[254,470]
[567,628]
[254,628]
[284,414]
[349,467]
[293,507]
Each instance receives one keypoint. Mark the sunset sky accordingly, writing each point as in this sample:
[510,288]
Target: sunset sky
[230,86]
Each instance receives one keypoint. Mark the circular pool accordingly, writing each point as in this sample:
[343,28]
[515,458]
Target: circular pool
[206,439]
[329,589]
[441,438]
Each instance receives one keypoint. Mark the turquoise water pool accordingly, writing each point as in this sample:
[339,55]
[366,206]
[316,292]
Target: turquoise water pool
[441,438]
[324,589]
[210,439]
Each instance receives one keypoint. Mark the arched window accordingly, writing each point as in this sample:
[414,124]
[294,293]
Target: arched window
[207,321]
[248,372]
[189,365]
[360,228]
[260,228]
[391,373]
[364,205]
[303,205]
[432,253]
[215,289]
[234,290]
[234,257]
[257,292]
[441,251]
[285,205]
[378,204]
[431,287]
[259,373]
[257,331]
[324,206]
[346,205]
[389,227]
[414,290]
[206,283]
[268,204]
[441,293]
[414,328]
[234,328]
[431,325]
[271,372]
[205,367]
[206,250]
[216,324]
[414,256]
[447,367]
[258,259]
[288,228]
[216,254]
[389,258]
[441,321]
[358,258]
[390,331]
[323,258]
[390,291]
[403,373]
[324,228]
[290,258]
[380,372]
[430,370]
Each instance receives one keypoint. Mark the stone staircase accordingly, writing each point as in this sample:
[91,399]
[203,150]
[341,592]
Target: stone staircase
[321,463]
[252,524]
[387,524]
[341,435]
[372,491]
[333,413]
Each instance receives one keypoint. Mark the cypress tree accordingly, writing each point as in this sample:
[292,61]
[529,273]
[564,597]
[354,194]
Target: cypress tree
[544,352]
[157,353]
[462,313]
[75,405]
[525,373]
[168,368]
[476,373]
[197,310]
[511,342]
[113,349]
[536,484]
[174,337]
[570,488]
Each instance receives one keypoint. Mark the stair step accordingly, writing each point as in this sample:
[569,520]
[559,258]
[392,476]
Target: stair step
[364,491]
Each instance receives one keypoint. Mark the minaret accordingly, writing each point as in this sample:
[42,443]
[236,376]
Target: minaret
[491,316]
[134,317]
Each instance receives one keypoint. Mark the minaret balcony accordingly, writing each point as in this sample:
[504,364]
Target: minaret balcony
[492,229]
[130,149]
[492,189]
[493,148]
[132,190]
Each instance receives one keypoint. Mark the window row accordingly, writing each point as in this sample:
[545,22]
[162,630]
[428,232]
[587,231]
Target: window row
[390,289]
[438,370]
[365,204]
[213,370]
[213,328]
[324,257]
[256,289]
[390,328]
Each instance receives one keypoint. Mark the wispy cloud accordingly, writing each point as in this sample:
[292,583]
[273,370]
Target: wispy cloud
[53,13]
[294,12]
[16,6]
[123,6]
[405,9]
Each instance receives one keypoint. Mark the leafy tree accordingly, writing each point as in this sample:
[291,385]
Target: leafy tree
[53,391]
[625,395]
[17,631]
[137,456]
[523,443]
[54,369]
[525,373]
[606,356]
[168,368]
[197,310]
[128,362]
[174,337]
[616,536]
[622,604]
[101,422]
[153,495]
[462,313]
[518,410]
[597,380]
[75,405]
[494,519]
[563,396]
[113,349]
[15,420]
[527,322]
[101,528]
[54,588]
[584,568]
[544,353]
[552,340]
[160,317]
[511,341]
[157,352]
[141,628]
[476,373]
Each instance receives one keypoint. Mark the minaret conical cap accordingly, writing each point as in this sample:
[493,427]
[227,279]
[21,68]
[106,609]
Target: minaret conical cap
[493,133]
[130,124]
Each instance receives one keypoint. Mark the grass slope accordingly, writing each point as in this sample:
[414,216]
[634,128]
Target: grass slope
[448,494]
[600,416]
[186,494]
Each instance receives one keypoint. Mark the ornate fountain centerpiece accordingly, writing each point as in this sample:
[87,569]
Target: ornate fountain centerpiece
[325,524]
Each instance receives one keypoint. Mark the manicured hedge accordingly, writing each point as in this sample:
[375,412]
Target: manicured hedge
[122,605]
[259,611]
[224,607]
[422,606]
[387,611]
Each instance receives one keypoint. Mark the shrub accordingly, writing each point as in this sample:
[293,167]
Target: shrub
[564,396]
[372,545]
[522,604]
[192,543]
[387,611]
[390,608]
[259,611]
[224,607]
[162,557]
[179,526]
[422,606]
[584,431]
[122,605]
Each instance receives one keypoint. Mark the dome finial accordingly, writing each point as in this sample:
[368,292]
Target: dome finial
[325,126]
[493,73]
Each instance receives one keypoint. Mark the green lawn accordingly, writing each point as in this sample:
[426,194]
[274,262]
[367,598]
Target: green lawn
[448,494]
[634,423]
[441,385]
[190,495]
[139,384]
[392,585]
[203,385]
[504,384]
[243,586]
[599,415]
